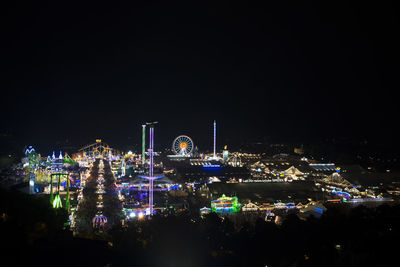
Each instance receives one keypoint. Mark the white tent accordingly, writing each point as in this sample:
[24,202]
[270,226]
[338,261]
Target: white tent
[250,207]
[258,164]
[214,179]
[336,178]
[293,171]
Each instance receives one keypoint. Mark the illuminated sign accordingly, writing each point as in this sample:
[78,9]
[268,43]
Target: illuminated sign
[212,166]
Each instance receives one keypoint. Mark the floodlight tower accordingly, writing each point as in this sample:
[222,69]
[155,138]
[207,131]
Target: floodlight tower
[143,144]
[151,165]
[215,138]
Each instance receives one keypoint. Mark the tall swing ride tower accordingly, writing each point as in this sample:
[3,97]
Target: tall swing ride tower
[215,138]
[151,176]
[143,144]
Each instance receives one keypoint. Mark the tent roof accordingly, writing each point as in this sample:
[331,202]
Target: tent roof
[293,170]
[163,180]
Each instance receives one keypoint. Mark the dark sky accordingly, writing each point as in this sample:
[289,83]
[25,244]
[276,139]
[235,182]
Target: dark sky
[77,71]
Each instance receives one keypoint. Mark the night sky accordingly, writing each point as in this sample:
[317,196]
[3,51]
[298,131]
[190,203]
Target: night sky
[74,72]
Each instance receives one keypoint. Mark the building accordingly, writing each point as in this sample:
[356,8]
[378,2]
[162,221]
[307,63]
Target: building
[225,204]
[57,163]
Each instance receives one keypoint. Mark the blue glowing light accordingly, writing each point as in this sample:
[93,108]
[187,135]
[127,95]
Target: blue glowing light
[319,210]
[29,150]
[212,166]
[152,178]
[341,193]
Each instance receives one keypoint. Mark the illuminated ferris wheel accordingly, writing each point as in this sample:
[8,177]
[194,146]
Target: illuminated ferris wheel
[182,145]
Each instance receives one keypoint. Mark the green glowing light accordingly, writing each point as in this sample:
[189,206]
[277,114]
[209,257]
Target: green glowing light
[57,202]
[225,204]
[51,190]
[144,144]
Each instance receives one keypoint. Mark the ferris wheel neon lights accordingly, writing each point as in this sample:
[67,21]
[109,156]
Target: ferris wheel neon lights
[182,145]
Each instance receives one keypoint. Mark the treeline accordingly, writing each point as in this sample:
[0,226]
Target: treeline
[361,237]
[25,222]
[31,232]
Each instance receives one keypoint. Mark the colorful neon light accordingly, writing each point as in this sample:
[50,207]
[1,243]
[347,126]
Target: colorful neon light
[182,145]
[151,166]
[57,202]
[148,177]
[143,144]
[151,169]
[319,210]
[51,190]
[225,204]
[341,193]
[212,166]
[215,137]
[29,150]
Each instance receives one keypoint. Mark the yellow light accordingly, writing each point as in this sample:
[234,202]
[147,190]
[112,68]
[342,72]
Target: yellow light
[183,145]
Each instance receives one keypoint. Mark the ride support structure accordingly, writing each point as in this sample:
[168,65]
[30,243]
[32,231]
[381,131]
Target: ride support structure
[55,201]
[151,177]
[143,144]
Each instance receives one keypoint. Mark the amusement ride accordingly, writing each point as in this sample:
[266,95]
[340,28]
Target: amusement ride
[182,145]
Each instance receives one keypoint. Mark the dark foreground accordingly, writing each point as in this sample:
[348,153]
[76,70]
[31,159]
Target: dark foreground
[32,234]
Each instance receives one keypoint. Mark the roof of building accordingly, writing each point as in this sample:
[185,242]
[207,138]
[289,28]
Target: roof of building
[293,171]
[323,167]
[163,180]
[258,192]
[372,179]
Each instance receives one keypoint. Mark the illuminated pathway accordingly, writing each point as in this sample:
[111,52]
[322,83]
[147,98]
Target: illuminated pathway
[98,203]
[85,208]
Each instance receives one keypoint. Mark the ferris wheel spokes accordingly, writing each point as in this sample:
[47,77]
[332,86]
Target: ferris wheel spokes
[182,145]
